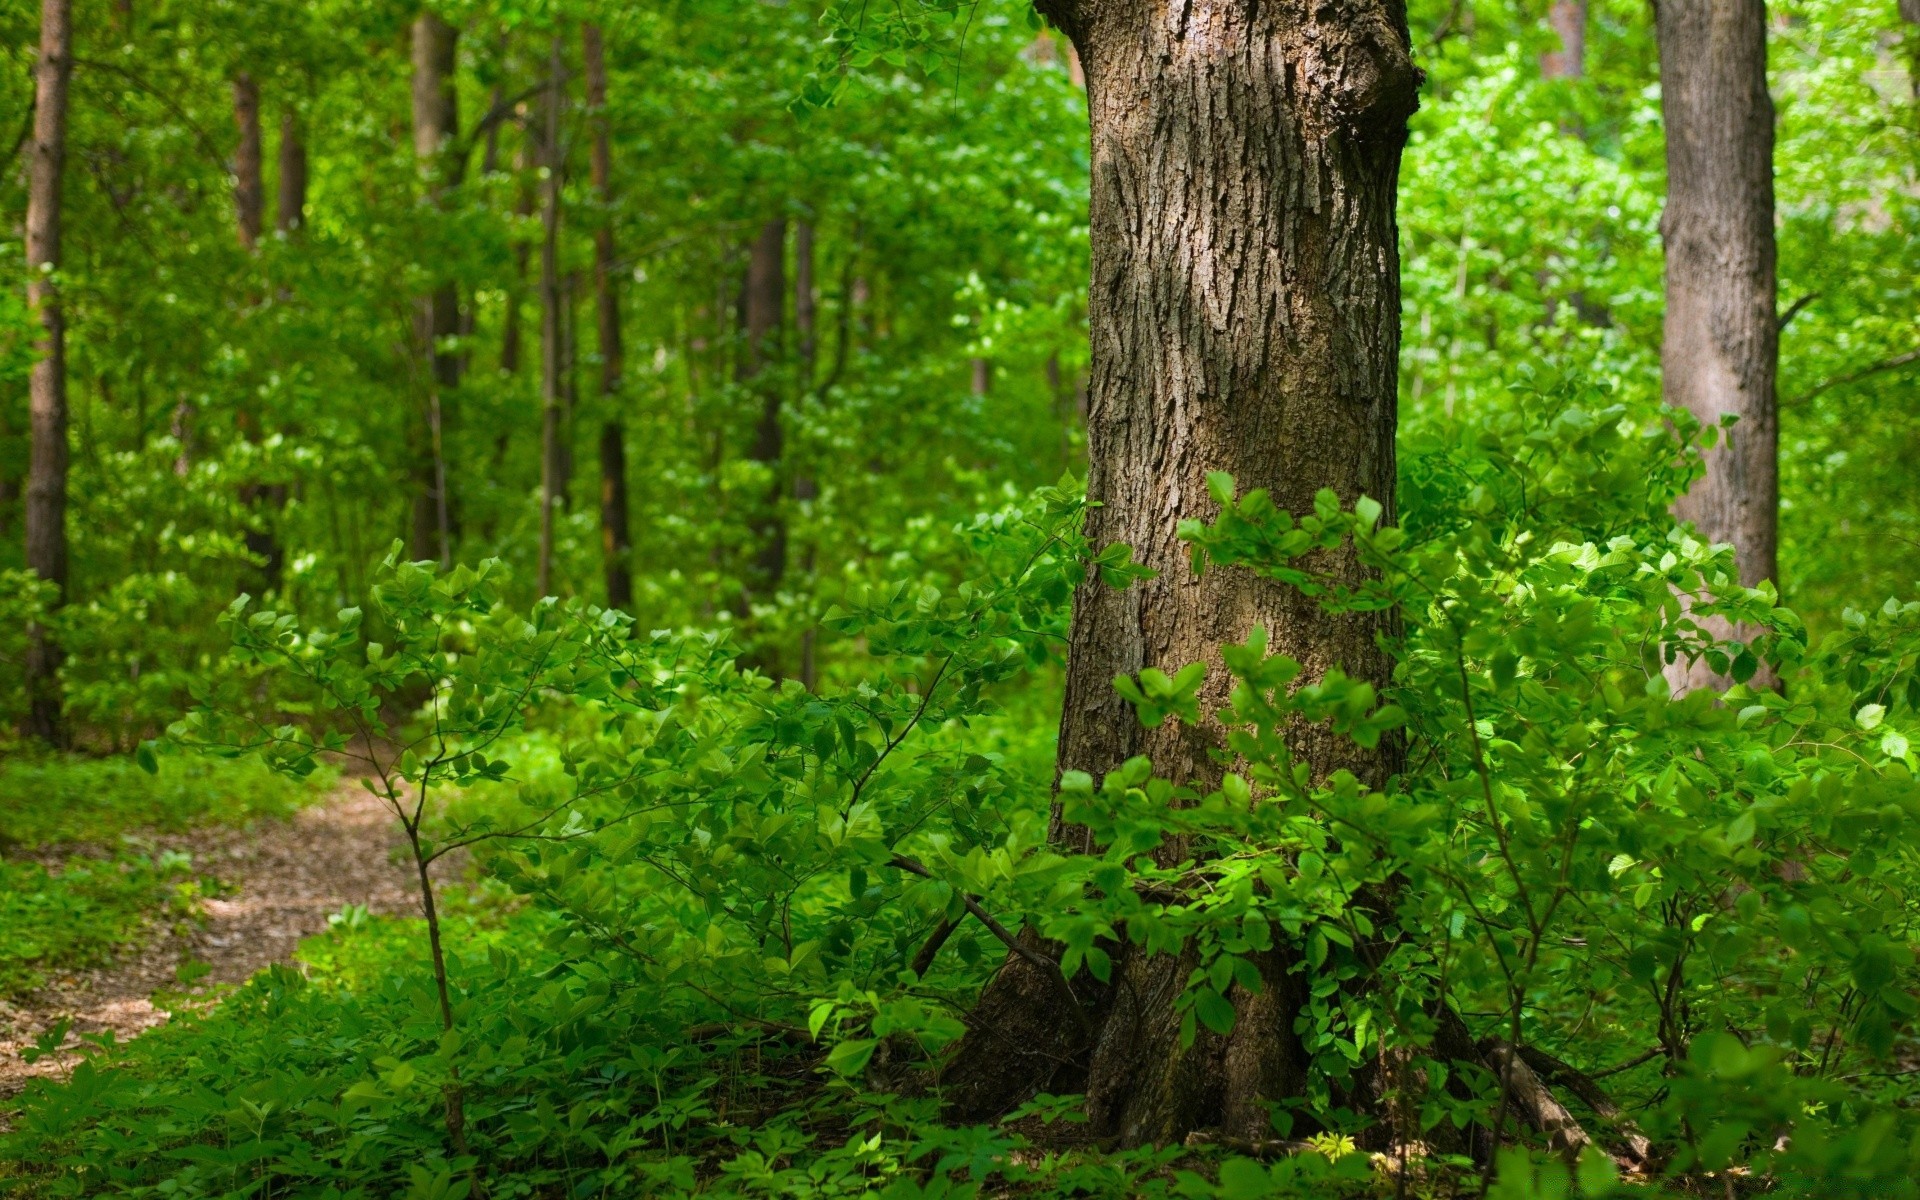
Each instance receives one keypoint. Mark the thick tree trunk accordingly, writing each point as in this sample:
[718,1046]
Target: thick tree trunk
[616,543]
[1722,339]
[552,321]
[1569,21]
[249,192]
[762,302]
[46,516]
[290,214]
[1244,315]
[437,315]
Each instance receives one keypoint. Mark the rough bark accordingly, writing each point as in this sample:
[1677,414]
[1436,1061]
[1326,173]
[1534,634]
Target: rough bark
[616,543]
[1722,338]
[437,315]
[762,302]
[290,214]
[1244,314]
[552,320]
[46,515]
[1569,21]
[249,192]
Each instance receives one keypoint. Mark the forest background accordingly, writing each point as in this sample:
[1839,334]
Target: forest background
[768,326]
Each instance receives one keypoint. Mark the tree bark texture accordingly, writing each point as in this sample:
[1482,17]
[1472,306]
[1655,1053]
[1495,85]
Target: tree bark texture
[249,192]
[1722,338]
[46,515]
[290,213]
[763,300]
[552,321]
[437,315]
[1569,21]
[616,542]
[1244,315]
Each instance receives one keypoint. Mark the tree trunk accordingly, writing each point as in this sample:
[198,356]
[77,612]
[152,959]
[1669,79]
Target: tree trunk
[529,157]
[616,544]
[1722,338]
[804,488]
[249,193]
[1244,317]
[249,206]
[552,321]
[1910,13]
[437,315]
[982,372]
[291,209]
[1569,21]
[763,300]
[46,516]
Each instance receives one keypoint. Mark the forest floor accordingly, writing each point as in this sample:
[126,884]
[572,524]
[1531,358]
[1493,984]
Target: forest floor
[280,880]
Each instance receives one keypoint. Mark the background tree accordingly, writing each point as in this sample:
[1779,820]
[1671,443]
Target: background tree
[1720,351]
[46,516]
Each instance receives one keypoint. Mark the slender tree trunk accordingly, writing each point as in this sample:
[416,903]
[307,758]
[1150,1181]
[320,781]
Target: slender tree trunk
[1569,21]
[1244,312]
[530,155]
[762,302]
[249,205]
[291,209]
[1721,346]
[616,543]
[437,315]
[804,489]
[249,192]
[1910,13]
[981,370]
[46,516]
[552,320]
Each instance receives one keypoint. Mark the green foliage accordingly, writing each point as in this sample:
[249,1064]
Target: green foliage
[721,931]
[51,801]
[82,912]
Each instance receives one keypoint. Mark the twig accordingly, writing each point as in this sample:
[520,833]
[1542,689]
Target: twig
[1041,962]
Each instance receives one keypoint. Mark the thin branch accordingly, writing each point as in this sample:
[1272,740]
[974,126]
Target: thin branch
[1886,364]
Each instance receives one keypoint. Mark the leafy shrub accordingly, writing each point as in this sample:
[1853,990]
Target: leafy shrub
[752,915]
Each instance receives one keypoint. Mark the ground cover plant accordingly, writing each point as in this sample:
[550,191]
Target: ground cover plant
[961,599]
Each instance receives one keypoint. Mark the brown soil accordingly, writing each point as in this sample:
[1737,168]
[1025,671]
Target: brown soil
[285,879]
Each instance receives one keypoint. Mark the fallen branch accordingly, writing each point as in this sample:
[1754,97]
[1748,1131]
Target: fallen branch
[1563,1074]
[1535,1101]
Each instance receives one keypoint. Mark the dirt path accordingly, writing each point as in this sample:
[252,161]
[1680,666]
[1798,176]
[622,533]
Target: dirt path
[288,878]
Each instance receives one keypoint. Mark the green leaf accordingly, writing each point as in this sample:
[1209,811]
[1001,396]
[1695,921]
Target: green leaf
[850,1057]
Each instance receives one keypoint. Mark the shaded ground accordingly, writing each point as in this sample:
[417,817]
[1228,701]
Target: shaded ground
[286,878]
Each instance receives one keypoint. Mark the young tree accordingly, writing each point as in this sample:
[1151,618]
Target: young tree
[437,315]
[46,515]
[552,319]
[616,543]
[1244,315]
[1722,339]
